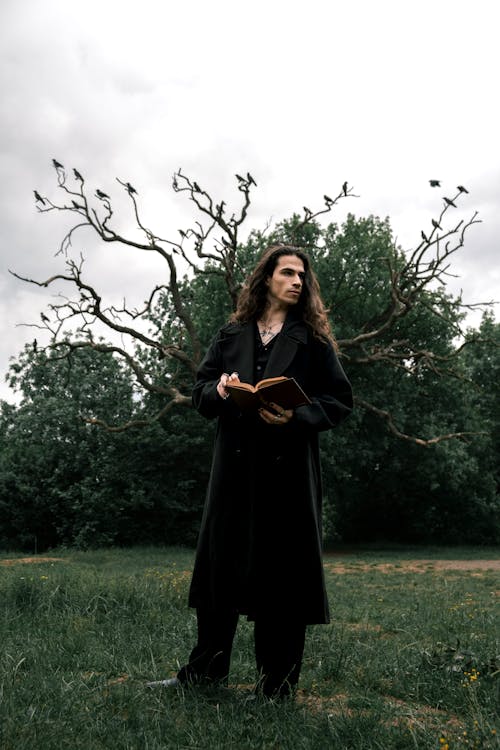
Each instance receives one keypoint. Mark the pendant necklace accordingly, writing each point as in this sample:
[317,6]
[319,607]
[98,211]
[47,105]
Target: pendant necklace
[267,332]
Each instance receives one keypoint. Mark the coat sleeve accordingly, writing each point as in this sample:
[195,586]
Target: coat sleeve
[205,398]
[330,391]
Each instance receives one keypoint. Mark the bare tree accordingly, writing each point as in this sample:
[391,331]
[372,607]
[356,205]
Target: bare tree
[212,246]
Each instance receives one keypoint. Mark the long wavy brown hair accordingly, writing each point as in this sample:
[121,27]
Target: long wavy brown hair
[252,300]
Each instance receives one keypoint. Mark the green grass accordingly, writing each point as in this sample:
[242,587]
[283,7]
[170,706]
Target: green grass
[409,661]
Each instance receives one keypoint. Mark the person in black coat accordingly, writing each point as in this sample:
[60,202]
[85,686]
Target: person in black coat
[259,549]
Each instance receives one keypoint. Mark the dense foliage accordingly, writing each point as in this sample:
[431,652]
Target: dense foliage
[63,481]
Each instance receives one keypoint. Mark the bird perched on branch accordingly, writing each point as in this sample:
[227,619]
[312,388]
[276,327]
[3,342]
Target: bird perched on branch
[57,164]
[251,180]
[38,197]
[75,205]
[435,183]
[425,239]
[44,318]
[449,202]
[130,188]
[435,224]
[328,200]
[196,187]
[461,189]
[344,188]
[101,195]
[77,175]
[240,178]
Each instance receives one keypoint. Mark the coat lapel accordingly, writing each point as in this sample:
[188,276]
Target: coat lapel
[293,334]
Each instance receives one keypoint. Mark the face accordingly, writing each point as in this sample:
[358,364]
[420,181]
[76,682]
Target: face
[285,285]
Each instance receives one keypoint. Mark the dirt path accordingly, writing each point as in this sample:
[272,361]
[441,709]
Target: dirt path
[412,566]
[30,560]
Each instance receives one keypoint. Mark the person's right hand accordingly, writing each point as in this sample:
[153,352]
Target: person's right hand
[225,378]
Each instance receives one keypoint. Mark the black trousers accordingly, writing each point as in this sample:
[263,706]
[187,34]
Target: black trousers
[279,646]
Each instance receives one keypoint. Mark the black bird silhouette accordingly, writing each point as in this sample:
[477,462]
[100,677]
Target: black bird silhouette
[77,175]
[35,345]
[449,202]
[435,183]
[307,210]
[130,188]
[425,239]
[182,233]
[461,189]
[57,164]
[44,317]
[435,224]
[196,187]
[75,204]
[38,197]
[240,178]
[328,199]
[344,188]
[101,195]
[251,180]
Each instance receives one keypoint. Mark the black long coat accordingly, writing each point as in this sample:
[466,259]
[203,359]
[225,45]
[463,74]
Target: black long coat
[259,548]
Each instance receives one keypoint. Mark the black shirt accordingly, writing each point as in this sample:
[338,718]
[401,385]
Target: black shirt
[262,354]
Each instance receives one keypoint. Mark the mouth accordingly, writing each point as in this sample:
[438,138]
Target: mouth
[294,291]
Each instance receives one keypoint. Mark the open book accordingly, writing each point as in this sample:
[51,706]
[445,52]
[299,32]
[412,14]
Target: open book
[285,392]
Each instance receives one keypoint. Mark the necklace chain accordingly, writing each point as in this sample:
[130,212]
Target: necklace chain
[268,332]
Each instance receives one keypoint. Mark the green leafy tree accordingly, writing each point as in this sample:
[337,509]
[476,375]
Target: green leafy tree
[392,470]
[65,481]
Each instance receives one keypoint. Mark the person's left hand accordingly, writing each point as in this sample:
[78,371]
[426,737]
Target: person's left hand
[277,415]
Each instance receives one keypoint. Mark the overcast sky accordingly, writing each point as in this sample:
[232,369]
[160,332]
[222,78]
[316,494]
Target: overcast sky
[304,95]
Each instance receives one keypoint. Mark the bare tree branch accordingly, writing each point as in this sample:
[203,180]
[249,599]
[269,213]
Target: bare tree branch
[389,419]
[211,246]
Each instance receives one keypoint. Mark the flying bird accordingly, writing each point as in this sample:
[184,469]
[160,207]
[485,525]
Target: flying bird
[101,195]
[461,189]
[344,188]
[77,175]
[38,197]
[435,183]
[57,164]
[435,224]
[449,202]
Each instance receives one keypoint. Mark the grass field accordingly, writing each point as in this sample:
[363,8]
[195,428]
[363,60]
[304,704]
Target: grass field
[409,661]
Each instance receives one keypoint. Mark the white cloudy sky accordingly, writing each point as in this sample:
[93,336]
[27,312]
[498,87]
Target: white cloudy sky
[304,95]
